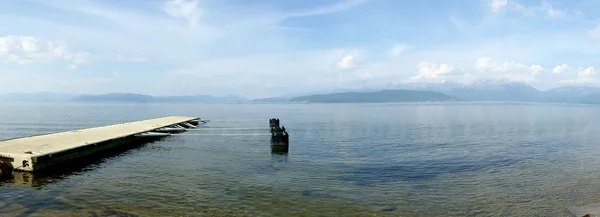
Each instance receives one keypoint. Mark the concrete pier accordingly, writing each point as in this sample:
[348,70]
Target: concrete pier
[44,151]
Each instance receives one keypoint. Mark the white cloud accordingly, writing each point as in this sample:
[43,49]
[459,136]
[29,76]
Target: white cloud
[594,34]
[588,72]
[397,50]
[187,9]
[497,5]
[350,60]
[584,76]
[125,58]
[526,11]
[328,9]
[554,13]
[288,72]
[518,6]
[347,62]
[484,68]
[512,71]
[432,72]
[536,69]
[545,9]
[218,27]
[28,49]
[560,68]
[247,42]
[482,63]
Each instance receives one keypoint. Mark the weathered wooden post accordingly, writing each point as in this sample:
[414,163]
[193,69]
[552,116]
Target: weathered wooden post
[279,137]
[274,122]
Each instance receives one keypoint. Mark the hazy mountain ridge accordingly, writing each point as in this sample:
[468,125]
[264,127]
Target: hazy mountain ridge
[376,97]
[131,97]
[494,90]
[114,97]
[487,90]
[272,100]
[479,91]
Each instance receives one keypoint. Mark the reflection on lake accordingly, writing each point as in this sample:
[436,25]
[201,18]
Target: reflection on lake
[461,159]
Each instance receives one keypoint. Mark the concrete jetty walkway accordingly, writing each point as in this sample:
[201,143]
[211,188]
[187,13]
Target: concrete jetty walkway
[42,151]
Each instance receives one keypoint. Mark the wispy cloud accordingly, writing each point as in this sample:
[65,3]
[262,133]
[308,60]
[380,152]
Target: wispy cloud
[28,49]
[543,9]
[431,72]
[497,5]
[292,46]
[584,76]
[328,9]
[560,68]
[397,50]
[595,33]
[187,9]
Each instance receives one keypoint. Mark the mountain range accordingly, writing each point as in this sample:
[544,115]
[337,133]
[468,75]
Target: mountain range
[484,90]
[377,97]
[116,97]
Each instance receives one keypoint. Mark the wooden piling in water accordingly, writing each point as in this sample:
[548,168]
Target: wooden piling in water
[280,138]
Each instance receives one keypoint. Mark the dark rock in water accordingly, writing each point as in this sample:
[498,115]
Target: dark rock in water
[391,209]
[588,215]
[116,213]
[307,193]
[315,193]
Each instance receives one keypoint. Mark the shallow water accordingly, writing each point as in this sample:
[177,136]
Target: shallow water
[461,159]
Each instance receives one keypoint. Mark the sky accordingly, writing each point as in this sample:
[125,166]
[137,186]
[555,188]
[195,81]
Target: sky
[259,48]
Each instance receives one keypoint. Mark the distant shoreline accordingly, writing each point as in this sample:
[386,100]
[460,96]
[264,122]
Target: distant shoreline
[315,103]
[505,92]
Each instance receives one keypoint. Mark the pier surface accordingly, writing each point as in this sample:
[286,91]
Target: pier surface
[31,149]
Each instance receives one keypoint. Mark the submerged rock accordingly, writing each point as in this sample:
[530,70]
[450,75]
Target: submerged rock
[390,209]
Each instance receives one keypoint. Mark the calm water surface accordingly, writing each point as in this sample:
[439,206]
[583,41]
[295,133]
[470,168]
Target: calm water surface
[465,159]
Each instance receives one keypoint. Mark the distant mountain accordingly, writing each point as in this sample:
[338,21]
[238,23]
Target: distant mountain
[573,94]
[592,98]
[574,90]
[328,91]
[376,97]
[36,97]
[484,90]
[497,91]
[131,97]
[272,100]
[438,87]
[115,97]
[494,90]
[201,98]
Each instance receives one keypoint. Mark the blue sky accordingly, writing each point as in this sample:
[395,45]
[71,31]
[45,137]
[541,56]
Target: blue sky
[259,48]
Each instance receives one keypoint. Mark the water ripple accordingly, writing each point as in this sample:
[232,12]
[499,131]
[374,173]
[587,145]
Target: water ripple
[345,160]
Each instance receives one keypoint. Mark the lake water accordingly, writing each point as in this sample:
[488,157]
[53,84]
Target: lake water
[459,159]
